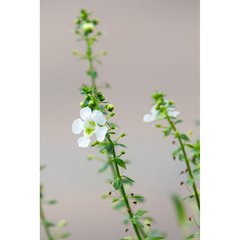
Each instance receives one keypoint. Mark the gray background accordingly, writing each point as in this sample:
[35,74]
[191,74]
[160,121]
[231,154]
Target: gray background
[152,45]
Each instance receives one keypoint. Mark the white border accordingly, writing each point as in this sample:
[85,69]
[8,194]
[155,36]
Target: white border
[220,55]
[19,131]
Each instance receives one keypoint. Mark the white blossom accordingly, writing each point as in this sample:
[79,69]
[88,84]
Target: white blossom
[155,114]
[91,122]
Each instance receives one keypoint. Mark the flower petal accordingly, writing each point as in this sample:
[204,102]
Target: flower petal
[77,126]
[154,111]
[100,133]
[85,113]
[97,117]
[83,142]
[149,118]
[172,114]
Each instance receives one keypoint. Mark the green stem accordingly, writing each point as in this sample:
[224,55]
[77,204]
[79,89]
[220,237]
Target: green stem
[123,192]
[43,220]
[114,168]
[186,161]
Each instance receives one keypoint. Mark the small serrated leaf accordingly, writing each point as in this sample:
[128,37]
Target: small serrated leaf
[117,184]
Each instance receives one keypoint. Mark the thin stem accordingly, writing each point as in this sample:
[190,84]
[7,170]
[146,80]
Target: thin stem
[123,192]
[43,220]
[114,167]
[186,161]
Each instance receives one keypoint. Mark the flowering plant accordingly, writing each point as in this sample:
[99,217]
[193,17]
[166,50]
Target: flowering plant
[164,109]
[95,114]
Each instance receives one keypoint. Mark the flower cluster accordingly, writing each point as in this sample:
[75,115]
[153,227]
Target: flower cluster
[161,109]
[84,24]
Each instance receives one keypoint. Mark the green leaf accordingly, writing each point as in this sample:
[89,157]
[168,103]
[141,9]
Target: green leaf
[61,223]
[117,184]
[138,198]
[127,180]
[119,205]
[64,235]
[120,145]
[115,200]
[184,137]
[48,223]
[180,209]
[140,212]
[154,235]
[109,148]
[167,131]
[178,121]
[51,202]
[176,152]
[121,163]
[104,167]
[92,74]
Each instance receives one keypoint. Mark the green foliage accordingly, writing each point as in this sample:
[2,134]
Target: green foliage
[164,109]
[180,209]
[53,231]
[117,183]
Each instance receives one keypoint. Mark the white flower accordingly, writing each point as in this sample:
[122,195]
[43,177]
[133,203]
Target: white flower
[172,113]
[152,116]
[90,123]
[155,114]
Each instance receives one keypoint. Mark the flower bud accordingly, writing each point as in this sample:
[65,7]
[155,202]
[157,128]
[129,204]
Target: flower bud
[87,28]
[123,135]
[122,152]
[82,104]
[91,103]
[100,96]
[88,97]
[95,21]
[110,107]
[77,21]
[111,114]
[95,144]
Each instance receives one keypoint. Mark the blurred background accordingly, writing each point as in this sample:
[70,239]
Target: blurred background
[152,45]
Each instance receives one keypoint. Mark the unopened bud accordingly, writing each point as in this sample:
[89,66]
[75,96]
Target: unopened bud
[82,104]
[110,107]
[95,144]
[87,27]
[122,152]
[100,96]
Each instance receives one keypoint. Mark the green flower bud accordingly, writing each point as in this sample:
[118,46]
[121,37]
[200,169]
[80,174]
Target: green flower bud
[77,21]
[123,135]
[91,103]
[87,28]
[95,22]
[82,104]
[122,152]
[110,107]
[88,97]
[100,97]
[83,14]
[111,114]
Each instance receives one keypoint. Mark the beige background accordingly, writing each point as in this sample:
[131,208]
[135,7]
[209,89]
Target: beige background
[152,45]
